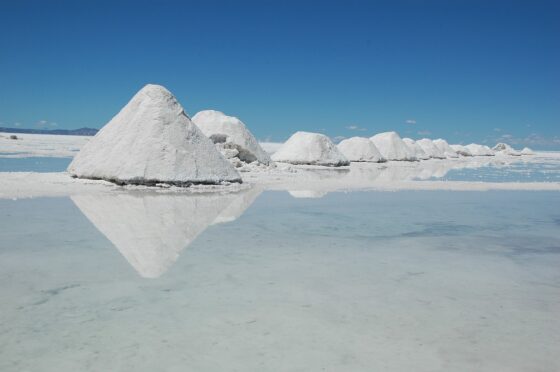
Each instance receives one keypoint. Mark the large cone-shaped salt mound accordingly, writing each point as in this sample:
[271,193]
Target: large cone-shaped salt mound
[310,148]
[151,140]
[229,133]
[461,150]
[392,147]
[527,151]
[430,148]
[445,148]
[360,149]
[419,153]
[479,150]
[505,149]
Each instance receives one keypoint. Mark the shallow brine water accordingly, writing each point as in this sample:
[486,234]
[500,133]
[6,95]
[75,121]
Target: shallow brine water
[34,164]
[362,281]
[521,171]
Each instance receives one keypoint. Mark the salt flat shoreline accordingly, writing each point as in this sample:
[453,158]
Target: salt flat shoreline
[393,176]
[389,176]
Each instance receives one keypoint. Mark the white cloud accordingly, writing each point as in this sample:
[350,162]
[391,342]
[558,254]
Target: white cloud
[410,121]
[423,132]
[45,124]
[533,139]
[355,127]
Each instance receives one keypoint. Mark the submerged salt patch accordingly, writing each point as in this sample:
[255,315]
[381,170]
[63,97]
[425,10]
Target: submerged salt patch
[151,140]
[392,147]
[310,148]
[231,136]
[360,149]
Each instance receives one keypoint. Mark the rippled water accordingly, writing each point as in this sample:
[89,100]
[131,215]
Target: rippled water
[362,281]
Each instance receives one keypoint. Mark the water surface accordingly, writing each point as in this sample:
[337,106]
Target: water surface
[34,164]
[362,281]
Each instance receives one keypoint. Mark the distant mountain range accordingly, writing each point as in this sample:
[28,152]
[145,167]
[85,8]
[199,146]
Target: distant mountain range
[68,132]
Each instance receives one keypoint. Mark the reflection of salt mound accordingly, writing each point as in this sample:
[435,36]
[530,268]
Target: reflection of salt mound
[238,206]
[419,153]
[149,141]
[231,136]
[479,150]
[307,194]
[445,148]
[360,149]
[392,147]
[504,148]
[430,148]
[527,151]
[461,150]
[310,148]
[150,230]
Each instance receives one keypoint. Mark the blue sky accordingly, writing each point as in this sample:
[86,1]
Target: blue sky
[466,71]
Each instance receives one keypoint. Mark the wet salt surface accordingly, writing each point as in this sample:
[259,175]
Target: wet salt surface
[361,281]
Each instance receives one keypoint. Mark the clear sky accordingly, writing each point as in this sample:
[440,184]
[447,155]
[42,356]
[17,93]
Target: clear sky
[467,71]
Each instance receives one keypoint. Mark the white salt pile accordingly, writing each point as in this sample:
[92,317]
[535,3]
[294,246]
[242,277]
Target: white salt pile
[231,136]
[419,153]
[527,151]
[445,148]
[479,150]
[505,149]
[152,141]
[360,149]
[310,148]
[430,148]
[461,150]
[392,147]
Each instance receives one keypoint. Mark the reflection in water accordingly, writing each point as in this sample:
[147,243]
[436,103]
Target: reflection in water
[313,194]
[150,230]
[236,208]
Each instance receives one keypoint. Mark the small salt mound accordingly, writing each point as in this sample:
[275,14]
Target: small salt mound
[310,148]
[231,136]
[430,148]
[461,150]
[505,149]
[445,148]
[360,149]
[392,147]
[151,141]
[527,151]
[479,150]
[416,149]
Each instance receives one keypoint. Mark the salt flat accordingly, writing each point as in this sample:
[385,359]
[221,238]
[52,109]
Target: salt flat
[439,265]
[36,145]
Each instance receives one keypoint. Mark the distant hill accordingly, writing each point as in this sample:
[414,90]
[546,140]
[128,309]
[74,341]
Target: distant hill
[68,132]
